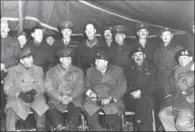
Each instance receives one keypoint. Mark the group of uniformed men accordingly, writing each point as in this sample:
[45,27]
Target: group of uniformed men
[98,74]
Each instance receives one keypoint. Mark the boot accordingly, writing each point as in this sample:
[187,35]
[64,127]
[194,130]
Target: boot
[93,121]
[114,122]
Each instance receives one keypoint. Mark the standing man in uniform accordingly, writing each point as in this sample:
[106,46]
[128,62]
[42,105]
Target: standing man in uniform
[179,114]
[105,86]
[65,28]
[24,86]
[142,40]
[139,94]
[121,51]
[87,49]
[107,40]
[165,61]
[39,47]
[64,85]
[10,52]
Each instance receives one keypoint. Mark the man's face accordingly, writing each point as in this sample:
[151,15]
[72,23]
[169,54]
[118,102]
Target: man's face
[184,60]
[101,64]
[107,34]
[142,33]
[27,61]
[50,40]
[22,40]
[4,29]
[38,35]
[66,33]
[119,38]
[138,57]
[90,31]
[66,62]
[166,36]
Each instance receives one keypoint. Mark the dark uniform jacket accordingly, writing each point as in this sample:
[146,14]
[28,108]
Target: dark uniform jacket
[60,82]
[106,48]
[114,86]
[121,56]
[143,79]
[10,51]
[165,61]
[149,50]
[20,79]
[72,44]
[182,87]
[40,53]
[87,53]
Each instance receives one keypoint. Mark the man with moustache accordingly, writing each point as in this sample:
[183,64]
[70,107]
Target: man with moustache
[64,87]
[22,38]
[179,115]
[10,52]
[87,49]
[105,86]
[65,28]
[24,87]
[108,40]
[144,42]
[165,61]
[142,86]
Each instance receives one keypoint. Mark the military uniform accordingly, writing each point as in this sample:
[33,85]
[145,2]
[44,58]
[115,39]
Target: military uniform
[164,59]
[10,51]
[181,109]
[21,79]
[87,52]
[111,84]
[121,54]
[143,78]
[61,82]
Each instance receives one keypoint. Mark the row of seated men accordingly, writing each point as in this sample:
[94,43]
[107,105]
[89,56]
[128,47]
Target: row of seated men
[119,54]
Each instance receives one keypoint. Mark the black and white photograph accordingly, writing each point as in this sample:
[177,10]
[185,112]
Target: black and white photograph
[97,65]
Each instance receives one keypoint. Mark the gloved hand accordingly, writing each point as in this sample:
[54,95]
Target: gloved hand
[32,92]
[26,97]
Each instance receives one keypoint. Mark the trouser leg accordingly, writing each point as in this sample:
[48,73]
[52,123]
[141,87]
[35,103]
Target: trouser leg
[74,114]
[167,119]
[11,119]
[40,120]
[55,117]
[93,121]
[185,121]
[113,122]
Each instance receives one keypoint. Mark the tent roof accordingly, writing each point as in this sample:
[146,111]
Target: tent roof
[174,14]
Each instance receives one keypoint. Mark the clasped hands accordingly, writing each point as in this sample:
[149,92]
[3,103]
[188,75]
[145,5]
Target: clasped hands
[64,99]
[28,97]
[94,97]
[136,94]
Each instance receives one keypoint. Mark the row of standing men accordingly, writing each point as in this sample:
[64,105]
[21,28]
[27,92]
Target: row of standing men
[118,50]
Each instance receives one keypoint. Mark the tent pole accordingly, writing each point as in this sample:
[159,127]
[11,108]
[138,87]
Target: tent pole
[20,12]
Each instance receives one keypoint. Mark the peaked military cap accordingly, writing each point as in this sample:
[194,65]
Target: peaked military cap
[107,27]
[100,54]
[23,33]
[138,49]
[26,52]
[117,29]
[142,26]
[66,25]
[165,29]
[184,52]
[66,52]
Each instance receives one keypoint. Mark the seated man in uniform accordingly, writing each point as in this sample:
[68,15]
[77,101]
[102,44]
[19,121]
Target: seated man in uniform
[24,88]
[142,86]
[179,114]
[105,86]
[64,85]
